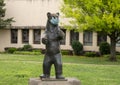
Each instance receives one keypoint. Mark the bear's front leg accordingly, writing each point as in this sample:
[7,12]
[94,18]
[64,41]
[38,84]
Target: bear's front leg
[44,40]
[61,35]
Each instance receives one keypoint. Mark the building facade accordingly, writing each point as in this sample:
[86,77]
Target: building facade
[30,17]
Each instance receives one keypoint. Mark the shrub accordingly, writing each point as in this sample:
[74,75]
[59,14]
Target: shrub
[36,50]
[64,52]
[19,49]
[90,54]
[43,51]
[27,47]
[11,50]
[77,47]
[27,53]
[67,52]
[104,48]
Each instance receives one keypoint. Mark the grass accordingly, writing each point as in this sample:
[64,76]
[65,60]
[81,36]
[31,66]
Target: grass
[17,69]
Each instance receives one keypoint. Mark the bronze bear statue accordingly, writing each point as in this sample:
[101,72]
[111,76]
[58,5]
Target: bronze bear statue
[52,37]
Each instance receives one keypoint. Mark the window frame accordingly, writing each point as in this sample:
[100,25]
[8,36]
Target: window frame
[14,36]
[101,37]
[74,36]
[25,41]
[63,42]
[87,41]
[36,36]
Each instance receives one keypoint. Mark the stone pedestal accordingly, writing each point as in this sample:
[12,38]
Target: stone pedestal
[67,81]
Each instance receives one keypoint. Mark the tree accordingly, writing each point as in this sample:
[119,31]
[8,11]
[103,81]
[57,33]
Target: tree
[4,22]
[96,15]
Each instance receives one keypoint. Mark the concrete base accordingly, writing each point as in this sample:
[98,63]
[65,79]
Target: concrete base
[68,81]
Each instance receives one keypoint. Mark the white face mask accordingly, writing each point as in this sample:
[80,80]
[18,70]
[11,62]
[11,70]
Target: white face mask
[54,21]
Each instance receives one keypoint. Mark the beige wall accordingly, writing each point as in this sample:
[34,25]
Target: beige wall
[5,36]
[4,39]
[31,12]
[118,49]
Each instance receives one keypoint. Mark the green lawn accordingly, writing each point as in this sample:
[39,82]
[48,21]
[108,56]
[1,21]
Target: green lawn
[17,69]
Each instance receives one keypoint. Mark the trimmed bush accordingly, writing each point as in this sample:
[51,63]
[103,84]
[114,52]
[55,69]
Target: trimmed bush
[67,52]
[11,50]
[27,53]
[27,47]
[90,54]
[104,48]
[20,49]
[77,47]
[64,52]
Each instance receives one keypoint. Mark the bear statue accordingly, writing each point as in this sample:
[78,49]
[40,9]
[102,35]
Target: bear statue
[51,38]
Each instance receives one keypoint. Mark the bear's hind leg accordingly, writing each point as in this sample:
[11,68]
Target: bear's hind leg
[58,66]
[46,68]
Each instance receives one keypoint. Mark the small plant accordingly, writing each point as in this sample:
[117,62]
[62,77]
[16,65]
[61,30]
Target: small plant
[11,50]
[77,47]
[27,53]
[67,52]
[64,52]
[90,54]
[104,48]
[27,47]
[19,49]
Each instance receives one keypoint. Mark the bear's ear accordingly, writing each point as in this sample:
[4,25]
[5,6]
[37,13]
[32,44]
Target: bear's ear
[48,14]
[58,13]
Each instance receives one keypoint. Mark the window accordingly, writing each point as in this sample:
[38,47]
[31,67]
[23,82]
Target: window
[64,40]
[87,38]
[101,37]
[74,36]
[25,36]
[14,35]
[36,34]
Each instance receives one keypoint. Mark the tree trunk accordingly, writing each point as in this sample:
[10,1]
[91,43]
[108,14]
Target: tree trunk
[113,49]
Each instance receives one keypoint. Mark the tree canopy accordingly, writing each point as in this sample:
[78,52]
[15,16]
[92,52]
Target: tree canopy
[96,15]
[4,22]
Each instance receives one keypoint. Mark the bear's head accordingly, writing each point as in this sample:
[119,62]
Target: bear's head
[53,18]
